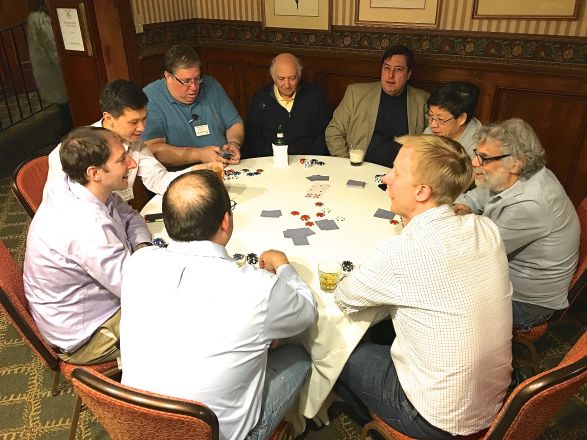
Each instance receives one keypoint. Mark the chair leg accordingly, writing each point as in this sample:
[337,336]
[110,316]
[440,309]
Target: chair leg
[532,350]
[55,384]
[75,417]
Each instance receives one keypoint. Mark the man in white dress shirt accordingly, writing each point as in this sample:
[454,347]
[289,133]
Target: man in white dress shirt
[445,281]
[77,243]
[215,319]
[124,111]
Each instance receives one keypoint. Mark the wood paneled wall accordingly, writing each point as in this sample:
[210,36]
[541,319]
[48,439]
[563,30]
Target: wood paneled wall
[455,15]
[553,101]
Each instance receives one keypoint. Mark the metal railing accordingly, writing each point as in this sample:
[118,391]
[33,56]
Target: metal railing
[19,95]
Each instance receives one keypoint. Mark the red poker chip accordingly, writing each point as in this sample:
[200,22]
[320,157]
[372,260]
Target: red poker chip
[318,203]
[295,213]
[302,160]
[309,223]
[393,222]
[319,214]
[259,170]
[305,217]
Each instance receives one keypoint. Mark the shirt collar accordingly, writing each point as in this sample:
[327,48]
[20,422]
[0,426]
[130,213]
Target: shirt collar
[280,98]
[204,248]
[429,216]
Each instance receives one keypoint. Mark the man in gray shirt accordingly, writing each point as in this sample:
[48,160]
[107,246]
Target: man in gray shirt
[537,221]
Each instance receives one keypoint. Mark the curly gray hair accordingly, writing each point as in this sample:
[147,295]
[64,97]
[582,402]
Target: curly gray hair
[519,139]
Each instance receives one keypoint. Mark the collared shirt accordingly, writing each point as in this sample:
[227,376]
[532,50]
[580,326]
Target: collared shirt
[286,103]
[154,175]
[445,279]
[169,119]
[541,231]
[214,320]
[76,247]
[467,138]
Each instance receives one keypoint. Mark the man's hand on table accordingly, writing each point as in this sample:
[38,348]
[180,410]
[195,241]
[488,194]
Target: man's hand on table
[270,260]
[234,150]
[461,209]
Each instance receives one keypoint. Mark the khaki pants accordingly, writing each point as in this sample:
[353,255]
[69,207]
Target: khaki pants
[102,346]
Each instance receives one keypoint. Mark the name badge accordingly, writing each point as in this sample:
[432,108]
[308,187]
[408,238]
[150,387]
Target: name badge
[202,130]
[126,194]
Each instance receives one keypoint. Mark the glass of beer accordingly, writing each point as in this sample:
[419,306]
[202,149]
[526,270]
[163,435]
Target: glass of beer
[356,155]
[329,272]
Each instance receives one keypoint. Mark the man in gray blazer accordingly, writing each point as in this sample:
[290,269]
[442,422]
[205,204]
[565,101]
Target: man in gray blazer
[371,115]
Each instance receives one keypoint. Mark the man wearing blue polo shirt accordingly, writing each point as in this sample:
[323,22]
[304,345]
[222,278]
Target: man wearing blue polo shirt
[190,118]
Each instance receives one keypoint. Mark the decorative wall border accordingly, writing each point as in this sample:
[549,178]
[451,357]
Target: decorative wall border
[445,45]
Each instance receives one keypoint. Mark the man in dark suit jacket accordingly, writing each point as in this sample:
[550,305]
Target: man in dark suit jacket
[299,107]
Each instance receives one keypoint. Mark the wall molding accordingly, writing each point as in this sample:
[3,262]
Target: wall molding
[561,52]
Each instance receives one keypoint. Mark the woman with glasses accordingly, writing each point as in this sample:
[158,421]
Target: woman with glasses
[451,113]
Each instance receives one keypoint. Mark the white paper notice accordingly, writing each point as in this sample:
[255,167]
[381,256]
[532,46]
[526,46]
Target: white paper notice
[70,29]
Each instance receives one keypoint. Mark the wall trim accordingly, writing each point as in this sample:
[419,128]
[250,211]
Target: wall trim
[527,50]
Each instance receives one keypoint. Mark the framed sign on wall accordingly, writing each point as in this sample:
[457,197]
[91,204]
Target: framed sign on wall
[398,13]
[297,14]
[532,9]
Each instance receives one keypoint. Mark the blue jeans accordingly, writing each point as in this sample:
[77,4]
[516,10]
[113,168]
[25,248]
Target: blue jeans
[287,369]
[369,380]
[524,320]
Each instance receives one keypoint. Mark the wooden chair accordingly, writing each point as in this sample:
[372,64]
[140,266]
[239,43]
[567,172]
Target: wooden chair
[28,182]
[15,304]
[127,413]
[578,284]
[530,407]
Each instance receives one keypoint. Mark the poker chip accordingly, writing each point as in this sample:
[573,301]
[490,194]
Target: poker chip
[252,258]
[305,217]
[295,213]
[309,223]
[260,170]
[394,222]
[238,256]
[318,203]
[245,170]
[319,214]
[302,160]
[320,163]
[160,242]
[347,265]
[378,177]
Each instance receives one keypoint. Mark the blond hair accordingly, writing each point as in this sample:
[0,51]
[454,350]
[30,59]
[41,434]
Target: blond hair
[441,163]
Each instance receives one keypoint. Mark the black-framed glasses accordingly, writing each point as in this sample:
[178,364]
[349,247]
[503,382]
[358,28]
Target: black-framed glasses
[483,160]
[437,119]
[232,205]
[188,82]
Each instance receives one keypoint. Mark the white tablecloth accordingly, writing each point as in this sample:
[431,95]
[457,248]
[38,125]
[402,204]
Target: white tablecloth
[265,187]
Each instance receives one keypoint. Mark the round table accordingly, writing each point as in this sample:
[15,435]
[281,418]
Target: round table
[256,185]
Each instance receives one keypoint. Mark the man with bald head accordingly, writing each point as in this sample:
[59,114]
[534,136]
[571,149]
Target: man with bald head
[216,319]
[299,107]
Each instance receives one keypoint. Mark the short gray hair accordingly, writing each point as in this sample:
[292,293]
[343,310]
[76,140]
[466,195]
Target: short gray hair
[295,59]
[519,139]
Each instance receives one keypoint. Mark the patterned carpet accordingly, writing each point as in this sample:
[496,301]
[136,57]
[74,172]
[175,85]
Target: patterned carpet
[27,410]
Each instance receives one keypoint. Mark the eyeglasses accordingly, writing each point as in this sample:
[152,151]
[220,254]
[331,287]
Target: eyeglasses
[188,82]
[232,205]
[483,160]
[437,119]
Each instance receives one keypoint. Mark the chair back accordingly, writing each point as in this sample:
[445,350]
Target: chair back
[536,401]
[127,413]
[28,182]
[16,306]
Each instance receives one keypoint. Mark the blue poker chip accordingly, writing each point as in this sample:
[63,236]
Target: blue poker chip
[238,256]
[160,242]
